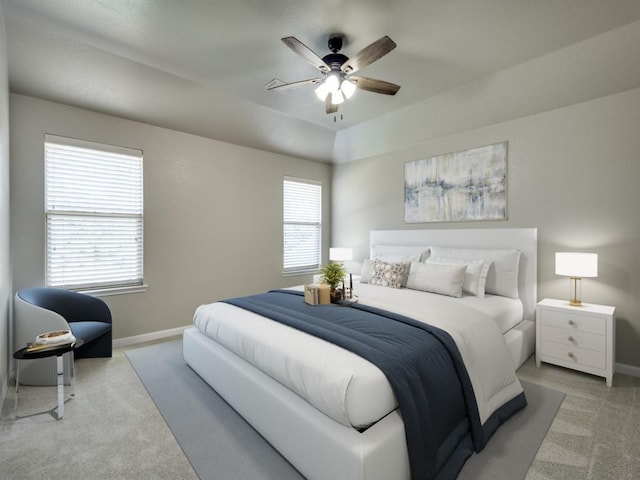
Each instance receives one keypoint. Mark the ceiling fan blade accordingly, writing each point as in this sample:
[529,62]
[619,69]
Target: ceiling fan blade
[305,52]
[368,55]
[288,86]
[377,86]
[329,106]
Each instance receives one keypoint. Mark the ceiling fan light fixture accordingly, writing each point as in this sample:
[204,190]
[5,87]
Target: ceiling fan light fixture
[322,91]
[336,70]
[333,83]
[348,88]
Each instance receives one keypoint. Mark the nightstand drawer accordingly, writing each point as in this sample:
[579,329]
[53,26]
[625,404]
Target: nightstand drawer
[571,338]
[574,321]
[576,355]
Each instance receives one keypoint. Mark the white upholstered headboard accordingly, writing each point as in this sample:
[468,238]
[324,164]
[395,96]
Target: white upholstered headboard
[524,239]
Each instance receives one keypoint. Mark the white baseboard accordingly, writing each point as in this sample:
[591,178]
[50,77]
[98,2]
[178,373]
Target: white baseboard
[628,370]
[148,337]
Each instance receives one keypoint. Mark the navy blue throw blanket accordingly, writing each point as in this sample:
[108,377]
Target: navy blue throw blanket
[422,364]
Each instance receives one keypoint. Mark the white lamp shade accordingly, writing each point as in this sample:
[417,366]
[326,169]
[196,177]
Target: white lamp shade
[340,254]
[333,83]
[322,91]
[337,98]
[576,264]
[348,88]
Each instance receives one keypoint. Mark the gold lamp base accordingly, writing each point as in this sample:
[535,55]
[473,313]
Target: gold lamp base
[575,291]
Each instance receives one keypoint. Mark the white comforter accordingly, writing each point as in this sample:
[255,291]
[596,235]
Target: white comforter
[344,386]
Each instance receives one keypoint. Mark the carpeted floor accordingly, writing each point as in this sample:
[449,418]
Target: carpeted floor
[112,429]
[596,433]
[217,441]
[220,444]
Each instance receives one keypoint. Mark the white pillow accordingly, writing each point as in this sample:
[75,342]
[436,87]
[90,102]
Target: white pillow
[475,278]
[437,278]
[502,278]
[366,271]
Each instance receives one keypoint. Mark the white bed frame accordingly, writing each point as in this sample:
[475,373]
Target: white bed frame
[320,448]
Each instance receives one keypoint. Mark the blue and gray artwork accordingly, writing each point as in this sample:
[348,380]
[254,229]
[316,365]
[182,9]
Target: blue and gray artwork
[462,186]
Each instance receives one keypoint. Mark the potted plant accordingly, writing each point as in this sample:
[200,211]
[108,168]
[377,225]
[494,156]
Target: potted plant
[332,275]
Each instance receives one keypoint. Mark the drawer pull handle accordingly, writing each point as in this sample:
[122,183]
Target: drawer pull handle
[571,356]
[571,339]
[572,323]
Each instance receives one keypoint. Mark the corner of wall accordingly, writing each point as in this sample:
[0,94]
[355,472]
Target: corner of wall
[5,257]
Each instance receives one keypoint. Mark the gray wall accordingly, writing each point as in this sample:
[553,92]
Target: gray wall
[596,67]
[5,259]
[213,212]
[573,173]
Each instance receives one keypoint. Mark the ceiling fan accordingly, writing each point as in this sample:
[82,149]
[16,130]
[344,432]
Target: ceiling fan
[337,81]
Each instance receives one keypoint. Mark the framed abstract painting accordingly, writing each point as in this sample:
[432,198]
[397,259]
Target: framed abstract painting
[464,186]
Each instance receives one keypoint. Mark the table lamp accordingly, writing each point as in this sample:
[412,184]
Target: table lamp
[576,265]
[340,254]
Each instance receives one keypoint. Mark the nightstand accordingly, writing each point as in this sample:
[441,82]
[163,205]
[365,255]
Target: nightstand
[581,338]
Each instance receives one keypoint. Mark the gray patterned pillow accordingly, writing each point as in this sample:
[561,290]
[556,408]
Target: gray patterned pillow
[388,274]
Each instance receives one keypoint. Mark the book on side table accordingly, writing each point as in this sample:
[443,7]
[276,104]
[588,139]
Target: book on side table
[51,341]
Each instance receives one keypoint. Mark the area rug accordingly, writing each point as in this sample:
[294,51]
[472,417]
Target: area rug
[221,445]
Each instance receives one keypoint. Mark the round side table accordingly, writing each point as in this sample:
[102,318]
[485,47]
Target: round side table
[59,351]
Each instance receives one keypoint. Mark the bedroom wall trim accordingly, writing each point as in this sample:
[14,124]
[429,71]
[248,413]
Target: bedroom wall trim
[630,370]
[149,337]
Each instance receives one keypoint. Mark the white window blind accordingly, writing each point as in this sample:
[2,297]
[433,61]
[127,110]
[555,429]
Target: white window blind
[94,214]
[302,225]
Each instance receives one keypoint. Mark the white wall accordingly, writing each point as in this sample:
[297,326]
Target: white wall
[213,212]
[5,259]
[573,173]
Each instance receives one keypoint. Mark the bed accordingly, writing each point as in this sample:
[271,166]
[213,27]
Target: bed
[332,414]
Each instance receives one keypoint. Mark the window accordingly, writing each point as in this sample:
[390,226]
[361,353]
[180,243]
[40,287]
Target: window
[94,215]
[302,225]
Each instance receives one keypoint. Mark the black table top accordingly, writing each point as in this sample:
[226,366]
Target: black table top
[23,354]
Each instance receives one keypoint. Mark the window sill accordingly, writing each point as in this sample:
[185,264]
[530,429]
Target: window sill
[298,273]
[105,292]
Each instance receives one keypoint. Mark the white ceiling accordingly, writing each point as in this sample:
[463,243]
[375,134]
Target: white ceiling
[202,66]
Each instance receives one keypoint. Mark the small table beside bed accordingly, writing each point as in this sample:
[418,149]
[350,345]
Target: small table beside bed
[327,405]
